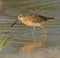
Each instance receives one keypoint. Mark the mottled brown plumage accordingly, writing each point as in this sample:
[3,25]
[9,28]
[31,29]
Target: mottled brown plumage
[39,18]
[34,19]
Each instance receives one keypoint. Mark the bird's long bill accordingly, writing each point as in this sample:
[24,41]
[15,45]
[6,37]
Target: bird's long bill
[14,23]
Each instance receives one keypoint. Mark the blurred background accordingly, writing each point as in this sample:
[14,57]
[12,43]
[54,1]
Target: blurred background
[19,35]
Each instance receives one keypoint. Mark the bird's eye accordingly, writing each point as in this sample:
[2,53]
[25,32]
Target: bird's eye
[21,15]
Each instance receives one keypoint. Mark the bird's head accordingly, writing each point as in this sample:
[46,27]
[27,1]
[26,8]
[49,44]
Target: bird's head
[19,18]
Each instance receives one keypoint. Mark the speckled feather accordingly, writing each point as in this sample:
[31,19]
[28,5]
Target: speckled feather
[36,18]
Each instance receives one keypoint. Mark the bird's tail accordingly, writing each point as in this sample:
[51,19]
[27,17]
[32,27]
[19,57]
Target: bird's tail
[50,19]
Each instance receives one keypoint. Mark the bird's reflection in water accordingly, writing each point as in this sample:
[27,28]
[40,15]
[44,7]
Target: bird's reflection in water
[33,46]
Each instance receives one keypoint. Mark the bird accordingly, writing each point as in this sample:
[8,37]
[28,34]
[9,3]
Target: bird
[34,20]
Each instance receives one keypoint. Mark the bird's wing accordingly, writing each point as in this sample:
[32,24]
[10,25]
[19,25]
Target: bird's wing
[36,18]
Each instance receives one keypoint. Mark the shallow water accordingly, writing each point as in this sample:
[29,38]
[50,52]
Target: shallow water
[21,34]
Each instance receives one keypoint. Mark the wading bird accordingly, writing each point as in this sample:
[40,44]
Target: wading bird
[34,20]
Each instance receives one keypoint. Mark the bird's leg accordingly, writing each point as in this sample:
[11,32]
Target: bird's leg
[33,33]
[45,34]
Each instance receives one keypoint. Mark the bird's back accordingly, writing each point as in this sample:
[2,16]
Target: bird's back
[36,18]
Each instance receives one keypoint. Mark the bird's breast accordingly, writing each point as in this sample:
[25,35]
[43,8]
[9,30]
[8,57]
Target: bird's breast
[29,22]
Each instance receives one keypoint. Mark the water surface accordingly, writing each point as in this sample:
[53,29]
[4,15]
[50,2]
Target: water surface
[21,34]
